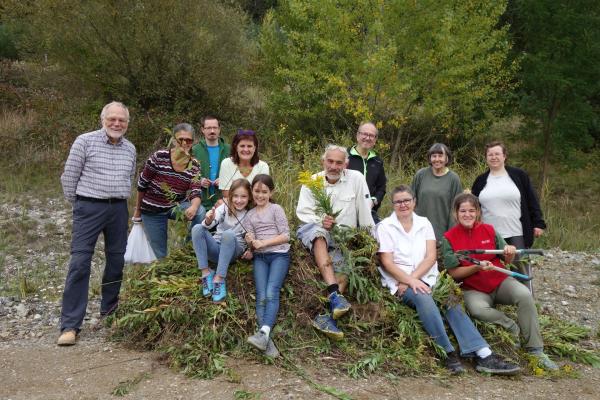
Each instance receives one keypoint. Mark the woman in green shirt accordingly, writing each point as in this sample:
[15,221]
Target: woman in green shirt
[435,188]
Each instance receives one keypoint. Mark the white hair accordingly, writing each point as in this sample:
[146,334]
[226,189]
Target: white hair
[332,147]
[113,103]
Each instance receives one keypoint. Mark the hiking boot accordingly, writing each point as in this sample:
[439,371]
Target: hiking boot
[493,364]
[259,340]
[219,291]
[68,337]
[271,351]
[453,364]
[327,325]
[544,361]
[207,284]
[338,305]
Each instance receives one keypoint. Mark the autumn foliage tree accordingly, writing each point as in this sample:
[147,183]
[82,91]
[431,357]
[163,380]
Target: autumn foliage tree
[418,69]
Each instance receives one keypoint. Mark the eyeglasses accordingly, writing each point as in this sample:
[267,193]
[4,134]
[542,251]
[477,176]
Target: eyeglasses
[404,202]
[368,135]
[185,140]
[245,132]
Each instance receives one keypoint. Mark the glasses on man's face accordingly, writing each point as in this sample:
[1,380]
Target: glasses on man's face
[368,135]
[185,140]
[403,202]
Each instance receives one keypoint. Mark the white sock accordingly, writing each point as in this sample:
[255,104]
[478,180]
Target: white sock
[484,352]
[266,330]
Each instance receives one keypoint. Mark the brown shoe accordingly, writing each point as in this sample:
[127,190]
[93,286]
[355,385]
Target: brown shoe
[67,338]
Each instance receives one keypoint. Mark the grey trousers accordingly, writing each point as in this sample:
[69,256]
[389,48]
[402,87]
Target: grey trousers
[481,306]
[89,220]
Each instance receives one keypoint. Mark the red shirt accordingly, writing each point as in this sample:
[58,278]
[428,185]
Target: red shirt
[481,236]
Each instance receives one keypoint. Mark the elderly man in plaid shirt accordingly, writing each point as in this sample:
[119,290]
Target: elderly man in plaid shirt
[97,181]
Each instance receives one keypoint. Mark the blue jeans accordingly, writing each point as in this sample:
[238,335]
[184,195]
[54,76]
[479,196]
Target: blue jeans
[468,337]
[156,225]
[89,220]
[207,248]
[270,270]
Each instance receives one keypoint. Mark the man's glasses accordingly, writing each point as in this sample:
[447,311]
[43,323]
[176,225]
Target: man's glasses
[245,132]
[404,202]
[368,135]
[185,140]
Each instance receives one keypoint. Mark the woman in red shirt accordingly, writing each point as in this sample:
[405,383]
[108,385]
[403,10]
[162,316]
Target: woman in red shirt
[483,287]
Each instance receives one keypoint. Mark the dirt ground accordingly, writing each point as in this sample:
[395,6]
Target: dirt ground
[38,369]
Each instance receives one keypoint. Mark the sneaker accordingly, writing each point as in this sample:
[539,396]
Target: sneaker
[259,340]
[68,337]
[219,291]
[327,325]
[493,364]
[544,361]
[207,284]
[338,305]
[271,351]
[453,364]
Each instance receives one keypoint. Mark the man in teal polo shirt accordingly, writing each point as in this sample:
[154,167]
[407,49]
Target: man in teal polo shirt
[210,151]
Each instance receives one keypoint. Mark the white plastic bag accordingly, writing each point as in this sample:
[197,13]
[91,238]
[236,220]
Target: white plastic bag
[138,247]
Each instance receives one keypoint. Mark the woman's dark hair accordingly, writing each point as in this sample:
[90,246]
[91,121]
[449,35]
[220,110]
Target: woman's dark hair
[466,198]
[265,180]
[244,135]
[238,183]
[439,148]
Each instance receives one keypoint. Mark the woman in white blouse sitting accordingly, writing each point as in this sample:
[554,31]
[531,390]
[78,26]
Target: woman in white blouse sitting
[407,249]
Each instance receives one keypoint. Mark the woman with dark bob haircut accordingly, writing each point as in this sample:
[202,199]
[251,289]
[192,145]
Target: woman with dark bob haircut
[484,287]
[435,187]
[244,161]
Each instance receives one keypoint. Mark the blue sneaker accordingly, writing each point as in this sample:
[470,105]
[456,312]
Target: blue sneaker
[207,284]
[219,291]
[338,305]
[327,325]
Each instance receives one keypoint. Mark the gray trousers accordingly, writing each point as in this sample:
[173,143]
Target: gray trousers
[481,306]
[91,218]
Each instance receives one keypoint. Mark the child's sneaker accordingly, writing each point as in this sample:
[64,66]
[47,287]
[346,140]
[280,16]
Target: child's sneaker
[207,284]
[219,291]
[259,340]
[271,351]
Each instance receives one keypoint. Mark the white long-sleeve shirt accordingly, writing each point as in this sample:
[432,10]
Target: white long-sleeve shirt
[349,194]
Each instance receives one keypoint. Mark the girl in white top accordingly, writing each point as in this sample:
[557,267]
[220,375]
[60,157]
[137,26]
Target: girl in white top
[226,244]
[243,162]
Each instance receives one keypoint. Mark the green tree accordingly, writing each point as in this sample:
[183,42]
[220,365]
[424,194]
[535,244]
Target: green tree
[419,69]
[176,56]
[559,43]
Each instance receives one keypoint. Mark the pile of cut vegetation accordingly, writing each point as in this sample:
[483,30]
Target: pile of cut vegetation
[162,309]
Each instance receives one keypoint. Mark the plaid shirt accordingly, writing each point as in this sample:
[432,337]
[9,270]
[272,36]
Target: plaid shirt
[98,168]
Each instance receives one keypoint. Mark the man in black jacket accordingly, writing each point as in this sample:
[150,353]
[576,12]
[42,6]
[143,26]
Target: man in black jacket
[364,160]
